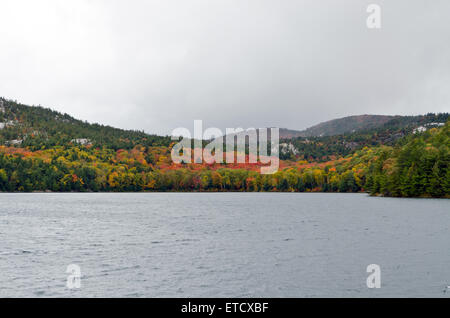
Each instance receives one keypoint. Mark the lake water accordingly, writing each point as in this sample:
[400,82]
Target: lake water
[223,245]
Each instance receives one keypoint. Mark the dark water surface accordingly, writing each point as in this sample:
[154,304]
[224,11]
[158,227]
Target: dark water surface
[223,245]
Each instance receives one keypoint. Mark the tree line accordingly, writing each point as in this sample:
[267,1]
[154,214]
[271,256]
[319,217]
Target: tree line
[416,167]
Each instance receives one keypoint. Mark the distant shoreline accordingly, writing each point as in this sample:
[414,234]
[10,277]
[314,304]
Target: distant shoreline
[280,192]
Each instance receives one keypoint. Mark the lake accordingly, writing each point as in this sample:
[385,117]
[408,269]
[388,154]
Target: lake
[223,245]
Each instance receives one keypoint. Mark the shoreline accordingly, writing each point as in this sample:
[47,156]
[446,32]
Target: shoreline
[292,192]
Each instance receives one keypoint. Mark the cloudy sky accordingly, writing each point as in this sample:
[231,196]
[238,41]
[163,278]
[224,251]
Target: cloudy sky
[158,65]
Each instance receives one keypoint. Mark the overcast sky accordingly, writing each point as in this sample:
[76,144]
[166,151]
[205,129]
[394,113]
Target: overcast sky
[158,65]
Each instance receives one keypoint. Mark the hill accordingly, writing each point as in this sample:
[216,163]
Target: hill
[37,127]
[44,150]
[338,126]
[324,148]
[346,125]
[417,168]
[354,124]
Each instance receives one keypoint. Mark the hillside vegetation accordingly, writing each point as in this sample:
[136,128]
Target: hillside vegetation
[49,159]
[390,133]
[41,128]
[346,125]
[418,168]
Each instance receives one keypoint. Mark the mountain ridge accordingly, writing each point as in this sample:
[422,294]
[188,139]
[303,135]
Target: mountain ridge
[36,126]
[339,126]
[43,150]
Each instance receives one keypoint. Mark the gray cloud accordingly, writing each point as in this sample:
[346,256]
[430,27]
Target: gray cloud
[158,65]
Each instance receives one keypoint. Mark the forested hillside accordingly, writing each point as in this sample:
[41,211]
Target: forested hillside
[418,168]
[41,128]
[346,125]
[361,123]
[389,133]
[43,150]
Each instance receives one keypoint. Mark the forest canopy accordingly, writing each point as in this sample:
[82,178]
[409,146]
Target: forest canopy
[43,150]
